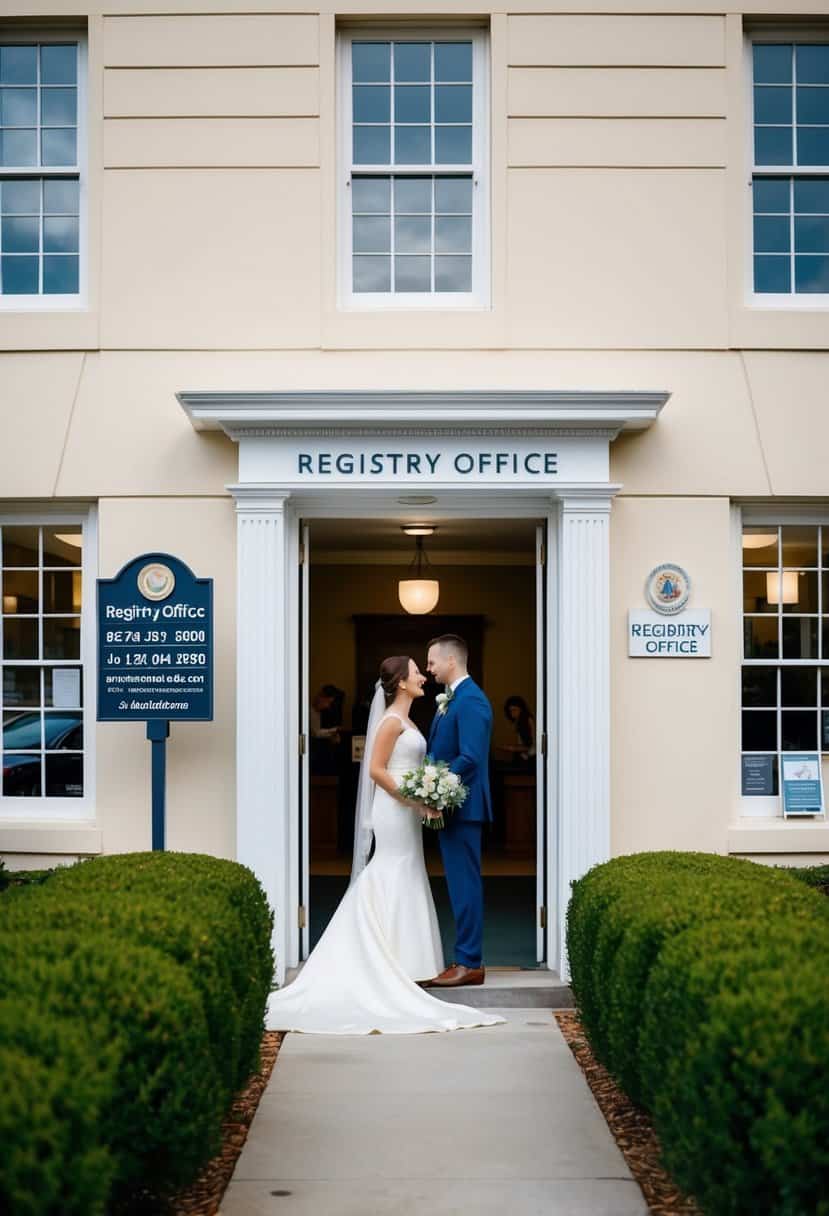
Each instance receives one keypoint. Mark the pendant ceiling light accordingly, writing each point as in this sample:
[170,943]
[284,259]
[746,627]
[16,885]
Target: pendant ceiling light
[418,593]
[782,588]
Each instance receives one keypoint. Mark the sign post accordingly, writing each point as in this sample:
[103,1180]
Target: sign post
[155,656]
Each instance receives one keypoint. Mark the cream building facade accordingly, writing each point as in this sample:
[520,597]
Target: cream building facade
[587,235]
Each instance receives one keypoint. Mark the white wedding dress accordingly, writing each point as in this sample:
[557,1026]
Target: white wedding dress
[360,977]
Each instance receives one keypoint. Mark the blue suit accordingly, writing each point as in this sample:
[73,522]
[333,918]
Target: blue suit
[461,737]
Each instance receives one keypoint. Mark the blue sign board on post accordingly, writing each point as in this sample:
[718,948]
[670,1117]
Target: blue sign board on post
[155,654]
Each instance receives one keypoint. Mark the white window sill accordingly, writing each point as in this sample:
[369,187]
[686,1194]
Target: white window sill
[806,302]
[780,836]
[41,304]
[51,837]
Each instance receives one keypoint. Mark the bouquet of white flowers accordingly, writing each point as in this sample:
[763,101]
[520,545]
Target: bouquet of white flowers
[437,787]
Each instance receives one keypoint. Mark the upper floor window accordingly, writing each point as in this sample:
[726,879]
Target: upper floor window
[414,153]
[41,142]
[790,178]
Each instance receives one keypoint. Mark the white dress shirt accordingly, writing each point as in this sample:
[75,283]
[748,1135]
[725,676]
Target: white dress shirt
[459,680]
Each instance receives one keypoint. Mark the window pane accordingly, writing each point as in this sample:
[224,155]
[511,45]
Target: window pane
[770,194]
[21,775]
[453,274]
[453,61]
[812,105]
[453,145]
[58,64]
[773,145]
[63,730]
[412,274]
[772,274]
[453,103]
[760,686]
[18,107]
[21,686]
[21,198]
[811,195]
[371,145]
[759,731]
[372,234]
[813,63]
[20,234]
[412,103]
[60,196]
[760,637]
[62,591]
[370,61]
[798,686]
[371,102]
[60,234]
[60,275]
[799,545]
[412,145]
[759,546]
[20,594]
[59,146]
[62,546]
[62,638]
[811,274]
[811,234]
[771,234]
[413,234]
[59,107]
[18,147]
[453,234]
[63,687]
[800,637]
[18,64]
[64,776]
[772,63]
[20,638]
[20,545]
[371,194]
[755,591]
[372,274]
[412,61]
[413,194]
[813,145]
[798,730]
[806,593]
[772,104]
[824,737]
[22,731]
[453,194]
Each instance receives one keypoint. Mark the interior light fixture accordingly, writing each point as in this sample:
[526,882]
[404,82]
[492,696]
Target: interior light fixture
[418,529]
[418,594]
[759,540]
[70,538]
[416,500]
[10,603]
[782,593]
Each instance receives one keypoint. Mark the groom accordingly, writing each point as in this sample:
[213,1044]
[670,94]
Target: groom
[460,735]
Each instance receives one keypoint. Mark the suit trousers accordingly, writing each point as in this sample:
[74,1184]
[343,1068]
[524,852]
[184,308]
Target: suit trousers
[460,846]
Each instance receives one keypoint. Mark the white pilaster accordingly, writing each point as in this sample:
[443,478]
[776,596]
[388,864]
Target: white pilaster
[583,691]
[262,752]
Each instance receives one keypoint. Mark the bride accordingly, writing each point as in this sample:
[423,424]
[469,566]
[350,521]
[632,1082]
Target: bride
[361,977]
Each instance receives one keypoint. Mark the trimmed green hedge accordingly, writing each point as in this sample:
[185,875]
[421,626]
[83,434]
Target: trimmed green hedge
[702,984]
[159,966]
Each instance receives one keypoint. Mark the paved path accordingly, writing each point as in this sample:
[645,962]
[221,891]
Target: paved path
[487,1120]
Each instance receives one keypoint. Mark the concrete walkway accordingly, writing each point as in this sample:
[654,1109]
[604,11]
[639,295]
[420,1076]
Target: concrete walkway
[487,1120]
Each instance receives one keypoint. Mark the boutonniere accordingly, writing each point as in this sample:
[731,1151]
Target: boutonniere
[443,699]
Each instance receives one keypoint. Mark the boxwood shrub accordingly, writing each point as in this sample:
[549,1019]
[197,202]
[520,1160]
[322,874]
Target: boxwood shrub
[700,981]
[162,962]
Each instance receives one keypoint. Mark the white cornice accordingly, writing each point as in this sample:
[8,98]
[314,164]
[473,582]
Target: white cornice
[241,414]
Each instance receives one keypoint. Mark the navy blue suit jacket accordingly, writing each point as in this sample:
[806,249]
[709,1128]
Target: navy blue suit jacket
[461,737]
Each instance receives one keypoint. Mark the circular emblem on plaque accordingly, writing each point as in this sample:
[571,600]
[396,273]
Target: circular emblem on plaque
[667,588]
[156,581]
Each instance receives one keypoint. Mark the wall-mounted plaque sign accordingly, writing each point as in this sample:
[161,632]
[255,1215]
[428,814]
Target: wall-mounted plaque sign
[686,636]
[802,783]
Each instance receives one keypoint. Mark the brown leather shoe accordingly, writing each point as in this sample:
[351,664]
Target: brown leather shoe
[457,975]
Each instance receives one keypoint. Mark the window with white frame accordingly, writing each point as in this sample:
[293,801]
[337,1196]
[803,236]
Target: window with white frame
[41,152]
[785,670]
[414,152]
[790,176]
[42,660]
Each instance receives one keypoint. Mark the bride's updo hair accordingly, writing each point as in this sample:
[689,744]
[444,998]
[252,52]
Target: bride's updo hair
[392,671]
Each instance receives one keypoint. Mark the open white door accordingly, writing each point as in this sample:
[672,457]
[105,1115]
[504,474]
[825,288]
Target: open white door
[305,745]
[541,739]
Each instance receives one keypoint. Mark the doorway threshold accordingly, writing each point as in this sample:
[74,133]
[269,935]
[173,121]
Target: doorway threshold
[504,987]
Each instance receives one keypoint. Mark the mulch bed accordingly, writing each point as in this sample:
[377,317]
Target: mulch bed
[202,1198]
[630,1125]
